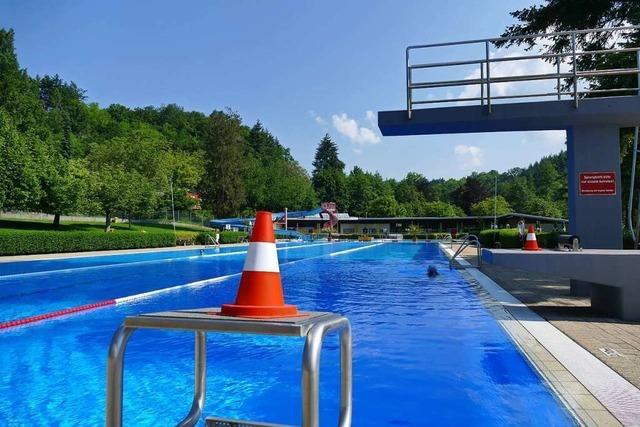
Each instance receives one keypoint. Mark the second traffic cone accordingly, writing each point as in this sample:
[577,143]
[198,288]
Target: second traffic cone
[531,244]
[260,292]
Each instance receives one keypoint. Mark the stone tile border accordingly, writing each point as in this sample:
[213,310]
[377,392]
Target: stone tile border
[592,391]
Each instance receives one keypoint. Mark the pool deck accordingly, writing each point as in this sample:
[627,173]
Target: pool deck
[614,343]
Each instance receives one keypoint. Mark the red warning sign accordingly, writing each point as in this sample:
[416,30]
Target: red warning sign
[597,183]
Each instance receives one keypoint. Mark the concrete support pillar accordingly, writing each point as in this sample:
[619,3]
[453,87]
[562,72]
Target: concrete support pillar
[597,220]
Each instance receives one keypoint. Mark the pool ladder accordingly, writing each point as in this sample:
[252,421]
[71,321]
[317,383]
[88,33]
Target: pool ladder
[214,243]
[470,240]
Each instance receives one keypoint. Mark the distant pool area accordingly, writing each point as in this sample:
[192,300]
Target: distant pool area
[425,350]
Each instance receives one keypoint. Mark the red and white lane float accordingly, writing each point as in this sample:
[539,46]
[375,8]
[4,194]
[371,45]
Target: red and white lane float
[54,314]
[260,292]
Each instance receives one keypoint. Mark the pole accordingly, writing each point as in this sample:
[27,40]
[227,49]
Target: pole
[173,209]
[495,204]
[286,218]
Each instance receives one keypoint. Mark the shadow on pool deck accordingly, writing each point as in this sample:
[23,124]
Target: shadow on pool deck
[549,297]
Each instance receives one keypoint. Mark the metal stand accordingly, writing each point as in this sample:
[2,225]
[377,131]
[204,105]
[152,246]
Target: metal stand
[314,326]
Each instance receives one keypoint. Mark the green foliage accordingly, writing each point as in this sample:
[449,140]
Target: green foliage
[274,180]
[19,177]
[384,206]
[486,207]
[222,188]
[225,237]
[21,242]
[329,179]
[61,155]
[441,209]
[413,230]
[507,238]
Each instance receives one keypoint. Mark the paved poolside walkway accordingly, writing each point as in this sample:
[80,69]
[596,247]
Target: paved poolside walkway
[615,342]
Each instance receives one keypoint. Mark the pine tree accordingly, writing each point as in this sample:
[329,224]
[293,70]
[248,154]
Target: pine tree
[327,156]
[329,179]
[222,185]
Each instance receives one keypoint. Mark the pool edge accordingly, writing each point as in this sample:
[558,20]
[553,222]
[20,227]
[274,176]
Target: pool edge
[604,399]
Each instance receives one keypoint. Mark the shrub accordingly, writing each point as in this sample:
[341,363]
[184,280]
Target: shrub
[186,237]
[20,242]
[225,237]
[508,238]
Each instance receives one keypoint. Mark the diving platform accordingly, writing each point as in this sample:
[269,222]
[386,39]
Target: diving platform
[559,95]
[619,111]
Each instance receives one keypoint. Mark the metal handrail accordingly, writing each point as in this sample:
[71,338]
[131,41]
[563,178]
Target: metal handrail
[313,327]
[486,80]
[470,240]
[214,242]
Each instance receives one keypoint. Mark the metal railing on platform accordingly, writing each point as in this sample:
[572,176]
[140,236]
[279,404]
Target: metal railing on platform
[569,58]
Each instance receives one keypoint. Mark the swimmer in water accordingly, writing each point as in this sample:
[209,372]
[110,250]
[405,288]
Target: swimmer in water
[432,271]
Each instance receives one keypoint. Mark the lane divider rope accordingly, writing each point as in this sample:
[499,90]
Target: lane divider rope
[136,297]
[57,313]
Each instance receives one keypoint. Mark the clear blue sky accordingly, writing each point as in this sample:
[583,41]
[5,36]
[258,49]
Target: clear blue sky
[302,68]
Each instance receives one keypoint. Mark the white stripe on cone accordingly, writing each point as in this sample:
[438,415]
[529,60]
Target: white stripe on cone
[531,236]
[262,256]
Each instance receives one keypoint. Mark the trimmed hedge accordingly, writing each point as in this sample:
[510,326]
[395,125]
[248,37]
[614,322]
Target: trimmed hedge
[507,238]
[225,237]
[24,242]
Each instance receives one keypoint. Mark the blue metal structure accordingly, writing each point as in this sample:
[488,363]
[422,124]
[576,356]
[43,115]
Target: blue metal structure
[591,118]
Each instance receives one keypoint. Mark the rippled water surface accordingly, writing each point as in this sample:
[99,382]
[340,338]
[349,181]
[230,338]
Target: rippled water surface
[426,351]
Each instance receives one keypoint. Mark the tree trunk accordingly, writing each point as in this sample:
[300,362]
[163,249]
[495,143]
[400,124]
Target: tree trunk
[107,222]
[56,221]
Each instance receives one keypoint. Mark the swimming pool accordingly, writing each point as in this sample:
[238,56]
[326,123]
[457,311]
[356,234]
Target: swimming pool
[426,351]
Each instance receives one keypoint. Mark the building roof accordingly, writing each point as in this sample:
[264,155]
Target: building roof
[440,218]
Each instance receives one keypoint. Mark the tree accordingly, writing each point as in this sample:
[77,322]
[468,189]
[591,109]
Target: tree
[539,206]
[19,177]
[442,209]
[131,173]
[222,186]
[329,179]
[361,192]
[18,92]
[274,180]
[566,15]
[117,190]
[471,192]
[326,157]
[486,207]
[384,206]
[66,115]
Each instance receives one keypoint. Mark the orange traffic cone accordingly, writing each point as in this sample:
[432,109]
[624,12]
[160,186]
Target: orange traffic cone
[531,244]
[260,292]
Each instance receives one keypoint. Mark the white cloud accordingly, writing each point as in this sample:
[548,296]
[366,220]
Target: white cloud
[351,129]
[514,68]
[553,140]
[317,117]
[372,118]
[468,156]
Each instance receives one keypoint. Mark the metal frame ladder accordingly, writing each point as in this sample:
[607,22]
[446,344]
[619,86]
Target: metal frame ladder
[313,326]
[470,240]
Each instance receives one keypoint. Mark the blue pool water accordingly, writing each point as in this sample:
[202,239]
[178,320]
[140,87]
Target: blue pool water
[426,351]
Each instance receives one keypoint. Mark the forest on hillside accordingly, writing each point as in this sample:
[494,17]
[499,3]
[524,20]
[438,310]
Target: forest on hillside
[62,155]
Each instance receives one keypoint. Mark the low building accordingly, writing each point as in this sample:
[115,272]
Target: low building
[383,225]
